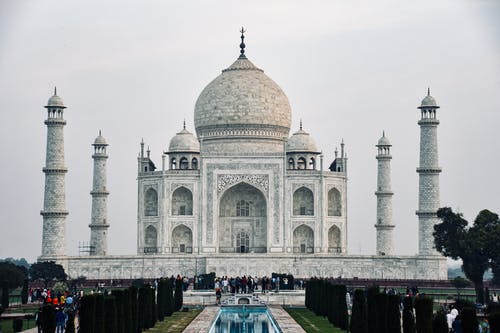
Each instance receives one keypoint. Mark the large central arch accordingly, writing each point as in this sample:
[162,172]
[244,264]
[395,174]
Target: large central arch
[243,220]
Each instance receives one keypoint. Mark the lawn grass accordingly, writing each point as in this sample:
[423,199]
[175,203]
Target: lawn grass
[175,323]
[6,325]
[312,323]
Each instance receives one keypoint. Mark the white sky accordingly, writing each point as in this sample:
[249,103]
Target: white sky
[349,68]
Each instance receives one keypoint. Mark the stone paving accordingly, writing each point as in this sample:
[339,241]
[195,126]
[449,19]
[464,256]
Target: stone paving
[284,320]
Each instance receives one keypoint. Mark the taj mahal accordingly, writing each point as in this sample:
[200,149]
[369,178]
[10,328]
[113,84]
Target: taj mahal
[243,194]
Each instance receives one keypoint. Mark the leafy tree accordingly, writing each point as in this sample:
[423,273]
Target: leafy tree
[47,271]
[459,283]
[5,296]
[469,320]
[24,291]
[453,238]
[11,276]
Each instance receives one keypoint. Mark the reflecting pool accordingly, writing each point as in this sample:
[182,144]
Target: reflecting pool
[243,319]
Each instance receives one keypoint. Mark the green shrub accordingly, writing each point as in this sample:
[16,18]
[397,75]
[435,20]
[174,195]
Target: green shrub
[17,325]
[24,292]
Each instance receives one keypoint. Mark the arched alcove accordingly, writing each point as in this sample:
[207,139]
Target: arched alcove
[303,239]
[303,202]
[182,201]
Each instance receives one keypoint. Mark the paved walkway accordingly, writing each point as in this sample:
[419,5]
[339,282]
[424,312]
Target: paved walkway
[284,320]
[201,324]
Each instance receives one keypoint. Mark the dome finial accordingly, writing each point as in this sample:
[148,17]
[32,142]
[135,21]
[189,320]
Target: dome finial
[99,132]
[242,45]
[383,133]
[184,124]
[301,124]
[55,91]
[428,91]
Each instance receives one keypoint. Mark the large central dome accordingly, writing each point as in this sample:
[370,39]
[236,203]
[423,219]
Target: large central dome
[242,102]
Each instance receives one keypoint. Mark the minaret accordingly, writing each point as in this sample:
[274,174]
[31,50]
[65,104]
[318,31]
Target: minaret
[385,239]
[428,171]
[54,202]
[98,225]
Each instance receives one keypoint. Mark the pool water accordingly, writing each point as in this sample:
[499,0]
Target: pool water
[241,319]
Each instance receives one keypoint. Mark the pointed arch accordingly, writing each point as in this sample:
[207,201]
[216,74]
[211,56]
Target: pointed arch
[303,201]
[301,163]
[182,201]
[182,239]
[151,202]
[303,239]
[150,240]
[183,163]
[334,202]
[243,220]
[334,239]
[194,163]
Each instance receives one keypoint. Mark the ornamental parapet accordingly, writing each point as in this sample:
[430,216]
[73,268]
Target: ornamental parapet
[99,193]
[426,213]
[429,170]
[55,170]
[99,226]
[385,226]
[254,131]
[54,213]
[55,122]
[384,193]
[99,156]
[428,121]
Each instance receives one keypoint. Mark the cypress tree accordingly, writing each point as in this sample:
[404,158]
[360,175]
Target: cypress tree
[5,296]
[439,323]
[169,308]
[469,321]
[393,314]
[408,317]
[178,294]
[154,311]
[126,321]
[24,292]
[160,300]
[343,316]
[142,305]
[70,324]
[423,313]
[48,318]
[119,303]
[359,316]
[87,314]
[381,304]
[99,314]
[110,324]
[134,310]
[372,306]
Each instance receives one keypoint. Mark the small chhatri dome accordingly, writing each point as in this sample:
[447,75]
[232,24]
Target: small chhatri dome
[383,141]
[55,101]
[428,100]
[100,140]
[184,142]
[242,98]
[301,141]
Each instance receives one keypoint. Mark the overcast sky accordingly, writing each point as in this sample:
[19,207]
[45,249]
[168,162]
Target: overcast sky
[350,69]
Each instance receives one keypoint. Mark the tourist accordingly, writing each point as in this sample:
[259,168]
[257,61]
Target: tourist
[218,295]
[60,320]
[457,325]
[38,320]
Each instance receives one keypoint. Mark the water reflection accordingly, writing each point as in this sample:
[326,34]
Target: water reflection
[244,320]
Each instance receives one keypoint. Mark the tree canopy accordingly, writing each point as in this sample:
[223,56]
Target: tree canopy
[11,275]
[476,245]
[47,271]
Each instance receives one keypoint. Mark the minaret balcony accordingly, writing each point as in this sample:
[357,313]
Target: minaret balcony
[428,121]
[55,121]
[54,213]
[429,170]
[55,170]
